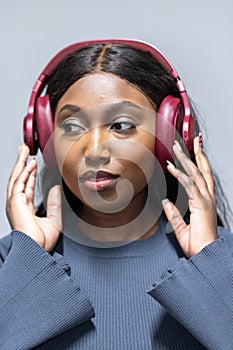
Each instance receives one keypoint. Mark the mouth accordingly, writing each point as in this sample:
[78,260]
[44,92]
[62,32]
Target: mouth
[98,180]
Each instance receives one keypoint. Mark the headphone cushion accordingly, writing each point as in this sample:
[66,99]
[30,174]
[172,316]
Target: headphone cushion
[44,123]
[29,133]
[169,122]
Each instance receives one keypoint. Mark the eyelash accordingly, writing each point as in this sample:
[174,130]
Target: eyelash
[67,126]
[128,126]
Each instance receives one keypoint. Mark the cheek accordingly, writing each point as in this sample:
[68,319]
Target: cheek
[139,160]
[147,154]
[69,162]
[66,152]
[61,148]
[70,173]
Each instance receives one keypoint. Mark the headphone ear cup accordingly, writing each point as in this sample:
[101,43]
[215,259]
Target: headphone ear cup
[190,129]
[29,133]
[169,123]
[44,124]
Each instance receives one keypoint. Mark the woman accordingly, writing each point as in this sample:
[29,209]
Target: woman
[117,278]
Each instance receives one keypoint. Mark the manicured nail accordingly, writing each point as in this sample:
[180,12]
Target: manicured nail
[164,201]
[170,164]
[200,139]
[177,145]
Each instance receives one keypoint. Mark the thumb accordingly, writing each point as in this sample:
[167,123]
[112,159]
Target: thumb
[174,217]
[54,207]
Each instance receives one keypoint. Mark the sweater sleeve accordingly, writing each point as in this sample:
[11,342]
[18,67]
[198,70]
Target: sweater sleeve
[198,293]
[38,299]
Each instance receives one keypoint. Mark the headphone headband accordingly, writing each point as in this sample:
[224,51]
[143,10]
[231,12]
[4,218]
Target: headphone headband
[138,44]
[141,45]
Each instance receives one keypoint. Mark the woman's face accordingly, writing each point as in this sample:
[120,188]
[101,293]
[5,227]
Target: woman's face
[104,140]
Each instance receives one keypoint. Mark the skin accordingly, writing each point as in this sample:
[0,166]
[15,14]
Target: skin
[96,144]
[199,185]
[117,140]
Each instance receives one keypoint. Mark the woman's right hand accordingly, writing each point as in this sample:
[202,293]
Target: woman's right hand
[20,204]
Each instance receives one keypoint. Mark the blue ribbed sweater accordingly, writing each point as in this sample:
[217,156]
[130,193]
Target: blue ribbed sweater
[141,296]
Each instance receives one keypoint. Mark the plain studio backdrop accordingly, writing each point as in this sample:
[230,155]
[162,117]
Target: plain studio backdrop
[196,36]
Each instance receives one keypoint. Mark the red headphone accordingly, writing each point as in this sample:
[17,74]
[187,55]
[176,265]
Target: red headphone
[174,115]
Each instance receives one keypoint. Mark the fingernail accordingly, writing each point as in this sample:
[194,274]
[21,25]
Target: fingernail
[164,201]
[200,139]
[177,145]
[170,164]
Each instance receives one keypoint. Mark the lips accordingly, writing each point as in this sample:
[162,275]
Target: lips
[98,180]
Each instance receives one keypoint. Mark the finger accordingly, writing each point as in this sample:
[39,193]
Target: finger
[203,164]
[191,169]
[29,190]
[189,185]
[20,183]
[174,217]
[18,168]
[54,207]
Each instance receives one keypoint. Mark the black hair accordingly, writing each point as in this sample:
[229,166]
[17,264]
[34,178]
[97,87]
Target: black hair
[137,68]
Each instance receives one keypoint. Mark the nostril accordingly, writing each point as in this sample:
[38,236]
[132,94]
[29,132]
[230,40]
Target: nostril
[96,158]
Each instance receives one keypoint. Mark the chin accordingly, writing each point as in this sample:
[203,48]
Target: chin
[104,204]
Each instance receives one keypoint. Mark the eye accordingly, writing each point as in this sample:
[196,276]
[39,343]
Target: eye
[72,128]
[122,126]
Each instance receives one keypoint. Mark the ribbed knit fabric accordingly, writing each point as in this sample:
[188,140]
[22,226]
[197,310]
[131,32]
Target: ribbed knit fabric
[38,300]
[138,292]
[116,280]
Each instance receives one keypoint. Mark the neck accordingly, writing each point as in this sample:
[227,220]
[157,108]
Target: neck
[135,222]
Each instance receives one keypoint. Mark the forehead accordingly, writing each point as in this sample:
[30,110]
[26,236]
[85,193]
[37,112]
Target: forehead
[102,88]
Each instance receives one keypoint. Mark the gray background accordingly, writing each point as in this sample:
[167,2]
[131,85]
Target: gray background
[195,35]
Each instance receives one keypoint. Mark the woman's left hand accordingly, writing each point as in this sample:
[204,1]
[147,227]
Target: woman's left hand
[199,185]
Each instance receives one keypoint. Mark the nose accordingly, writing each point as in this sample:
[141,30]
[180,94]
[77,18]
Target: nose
[97,151]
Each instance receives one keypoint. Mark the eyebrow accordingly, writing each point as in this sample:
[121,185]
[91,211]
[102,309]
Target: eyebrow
[116,106]
[71,108]
[112,107]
